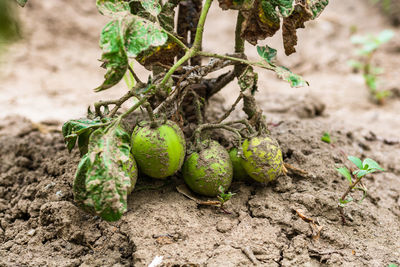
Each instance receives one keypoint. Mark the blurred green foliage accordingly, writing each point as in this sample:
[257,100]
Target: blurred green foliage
[9,22]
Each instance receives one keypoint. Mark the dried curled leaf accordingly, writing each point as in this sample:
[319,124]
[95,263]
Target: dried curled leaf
[106,174]
[303,12]
[262,18]
[260,21]
[162,54]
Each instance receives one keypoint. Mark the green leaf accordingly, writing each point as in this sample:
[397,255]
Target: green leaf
[112,8]
[151,6]
[141,34]
[370,42]
[267,53]
[346,173]
[83,141]
[371,164]
[73,129]
[114,57]
[294,79]
[167,15]
[371,81]
[385,36]
[376,71]
[326,137]
[360,173]
[392,265]
[356,161]
[106,174]
[21,2]
[129,79]
[343,202]
[355,64]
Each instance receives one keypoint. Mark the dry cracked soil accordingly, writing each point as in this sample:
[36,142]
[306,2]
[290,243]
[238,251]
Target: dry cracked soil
[292,222]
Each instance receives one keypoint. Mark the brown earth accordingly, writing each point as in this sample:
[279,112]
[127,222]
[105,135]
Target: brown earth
[293,222]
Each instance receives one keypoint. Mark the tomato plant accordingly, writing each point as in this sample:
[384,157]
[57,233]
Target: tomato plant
[177,90]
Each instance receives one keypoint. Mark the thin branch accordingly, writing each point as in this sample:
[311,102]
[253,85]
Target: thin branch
[190,53]
[197,103]
[351,187]
[134,75]
[226,115]
[259,64]
[220,82]
[119,103]
[134,107]
[177,41]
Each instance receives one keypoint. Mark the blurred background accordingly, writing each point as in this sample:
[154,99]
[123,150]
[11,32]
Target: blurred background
[50,72]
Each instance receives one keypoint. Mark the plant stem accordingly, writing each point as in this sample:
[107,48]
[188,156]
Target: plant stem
[239,44]
[196,45]
[134,107]
[235,59]
[239,41]
[226,115]
[197,103]
[137,79]
[190,53]
[176,40]
[200,26]
[351,188]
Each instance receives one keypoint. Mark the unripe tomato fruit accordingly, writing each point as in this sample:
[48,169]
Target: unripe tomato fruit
[159,152]
[239,173]
[262,158]
[205,171]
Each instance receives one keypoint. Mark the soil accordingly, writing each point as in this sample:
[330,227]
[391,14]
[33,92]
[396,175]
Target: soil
[292,222]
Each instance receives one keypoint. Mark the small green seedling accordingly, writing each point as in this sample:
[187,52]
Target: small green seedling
[354,177]
[224,197]
[369,44]
[326,137]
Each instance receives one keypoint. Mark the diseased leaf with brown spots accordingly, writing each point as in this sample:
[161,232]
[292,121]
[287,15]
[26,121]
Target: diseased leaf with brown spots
[162,54]
[304,10]
[106,175]
[261,17]
[260,20]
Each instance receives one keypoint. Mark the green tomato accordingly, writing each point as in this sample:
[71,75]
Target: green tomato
[262,158]
[159,152]
[206,171]
[239,173]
